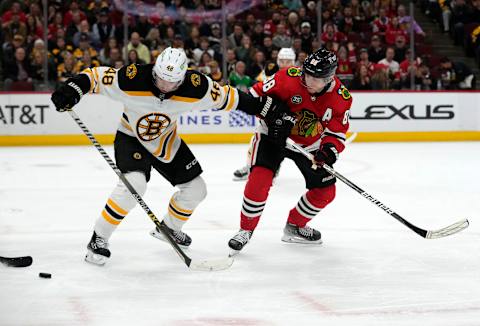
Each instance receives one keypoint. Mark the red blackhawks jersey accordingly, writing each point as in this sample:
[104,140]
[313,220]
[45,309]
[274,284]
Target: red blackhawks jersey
[320,120]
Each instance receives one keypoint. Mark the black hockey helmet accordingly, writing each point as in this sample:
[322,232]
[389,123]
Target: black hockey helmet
[320,64]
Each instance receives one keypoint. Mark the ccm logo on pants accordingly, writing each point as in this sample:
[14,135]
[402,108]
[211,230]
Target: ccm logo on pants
[192,163]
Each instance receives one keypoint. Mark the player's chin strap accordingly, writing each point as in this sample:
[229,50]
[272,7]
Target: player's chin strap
[446,231]
[203,265]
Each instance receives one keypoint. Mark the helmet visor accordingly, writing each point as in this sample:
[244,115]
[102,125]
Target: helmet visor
[165,86]
[316,85]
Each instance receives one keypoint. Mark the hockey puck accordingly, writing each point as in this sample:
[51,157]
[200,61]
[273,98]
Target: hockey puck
[45,275]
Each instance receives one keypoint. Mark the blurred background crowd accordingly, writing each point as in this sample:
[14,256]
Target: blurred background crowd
[380,46]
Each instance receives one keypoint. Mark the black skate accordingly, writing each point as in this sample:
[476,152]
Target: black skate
[295,234]
[97,250]
[181,238]
[241,174]
[239,241]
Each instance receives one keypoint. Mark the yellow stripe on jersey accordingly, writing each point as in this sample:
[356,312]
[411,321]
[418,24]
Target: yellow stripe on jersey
[139,93]
[118,209]
[184,99]
[97,79]
[172,212]
[125,124]
[170,144]
[162,141]
[181,210]
[231,101]
[109,219]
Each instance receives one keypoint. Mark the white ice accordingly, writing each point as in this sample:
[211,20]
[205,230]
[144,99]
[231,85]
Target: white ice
[371,270]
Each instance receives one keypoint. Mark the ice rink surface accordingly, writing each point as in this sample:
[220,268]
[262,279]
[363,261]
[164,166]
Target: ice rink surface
[371,270]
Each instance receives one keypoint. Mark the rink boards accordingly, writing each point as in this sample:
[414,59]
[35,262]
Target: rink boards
[31,119]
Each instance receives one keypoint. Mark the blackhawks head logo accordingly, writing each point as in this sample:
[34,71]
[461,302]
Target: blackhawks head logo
[344,93]
[308,124]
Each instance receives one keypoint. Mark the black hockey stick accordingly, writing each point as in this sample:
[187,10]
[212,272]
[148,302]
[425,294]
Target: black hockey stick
[16,261]
[204,265]
[446,231]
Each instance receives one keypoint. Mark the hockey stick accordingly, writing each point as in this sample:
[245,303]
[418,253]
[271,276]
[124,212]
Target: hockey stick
[17,261]
[203,265]
[446,231]
[351,138]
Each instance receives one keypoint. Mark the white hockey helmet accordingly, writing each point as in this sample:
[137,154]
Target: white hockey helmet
[171,66]
[286,54]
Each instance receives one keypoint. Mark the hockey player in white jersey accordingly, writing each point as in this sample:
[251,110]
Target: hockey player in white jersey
[154,96]
[285,58]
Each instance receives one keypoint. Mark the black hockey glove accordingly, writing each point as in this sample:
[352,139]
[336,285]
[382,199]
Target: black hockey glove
[271,109]
[327,154]
[66,96]
[280,128]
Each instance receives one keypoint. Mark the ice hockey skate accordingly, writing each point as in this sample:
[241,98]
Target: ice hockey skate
[241,174]
[295,234]
[97,250]
[239,241]
[181,238]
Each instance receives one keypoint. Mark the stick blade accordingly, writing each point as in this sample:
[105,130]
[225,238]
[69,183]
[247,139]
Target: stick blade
[449,230]
[211,265]
[17,261]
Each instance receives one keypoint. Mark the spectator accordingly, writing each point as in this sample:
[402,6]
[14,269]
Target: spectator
[381,23]
[400,48]
[379,79]
[142,26]
[87,62]
[361,81]
[301,58]
[68,68]
[460,15]
[239,79]
[85,29]
[423,78]
[215,72]
[293,26]
[257,65]
[34,29]
[405,20]
[376,52]
[365,61]
[105,53]
[56,24]
[15,10]
[60,49]
[345,68]
[18,70]
[84,46]
[118,64]
[280,38]
[235,39]
[103,30]
[393,67]
[37,71]
[203,64]
[231,59]
[204,47]
[331,34]
[270,26]
[245,52]
[70,15]
[267,47]
[74,27]
[456,75]
[393,30]
[9,48]
[153,40]
[307,36]
[193,41]
[215,38]
[258,35]
[347,23]
[142,50]
[14,27]
[133,57]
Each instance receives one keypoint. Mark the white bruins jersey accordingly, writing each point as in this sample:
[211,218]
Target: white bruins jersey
[150,115]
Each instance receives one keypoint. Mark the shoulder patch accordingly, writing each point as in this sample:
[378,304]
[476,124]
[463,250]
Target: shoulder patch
[131,71]
[135,77]
[195,85]
[294,72]
[195,79]
[344,93]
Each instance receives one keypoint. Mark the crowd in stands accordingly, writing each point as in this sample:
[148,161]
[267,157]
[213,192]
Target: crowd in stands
[371,39]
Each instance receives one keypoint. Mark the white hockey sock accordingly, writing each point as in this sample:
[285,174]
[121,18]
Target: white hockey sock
[184,201]
[119,204]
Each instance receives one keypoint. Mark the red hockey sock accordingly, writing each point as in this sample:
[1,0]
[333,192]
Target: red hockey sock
[255,197]
[310,204]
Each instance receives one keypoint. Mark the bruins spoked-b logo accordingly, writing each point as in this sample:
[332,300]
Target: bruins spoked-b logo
[131,71]
[152,125]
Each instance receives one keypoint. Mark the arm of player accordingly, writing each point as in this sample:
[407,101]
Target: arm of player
[333,138]
[91,80]
[228,98]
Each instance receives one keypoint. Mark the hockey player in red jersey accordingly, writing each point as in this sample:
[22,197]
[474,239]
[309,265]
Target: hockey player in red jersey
[321,106]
